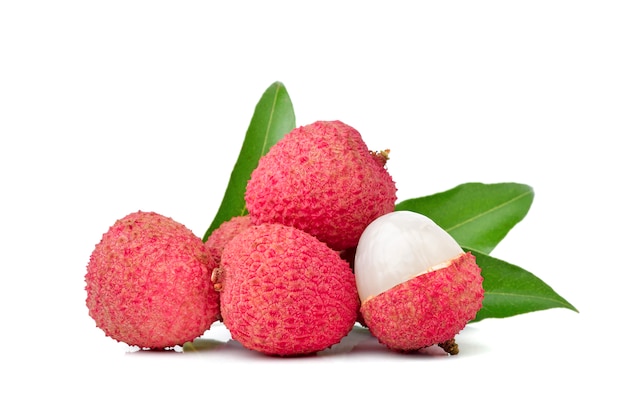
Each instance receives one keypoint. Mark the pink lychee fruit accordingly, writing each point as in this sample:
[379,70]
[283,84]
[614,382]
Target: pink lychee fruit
[148,283]
[321,178]
[417,285]
[224,233]
[285,293]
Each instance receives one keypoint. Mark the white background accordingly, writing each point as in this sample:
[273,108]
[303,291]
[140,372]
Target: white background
[111,107]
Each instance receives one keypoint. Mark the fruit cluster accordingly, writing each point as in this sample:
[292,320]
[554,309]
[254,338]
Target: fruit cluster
[320,249]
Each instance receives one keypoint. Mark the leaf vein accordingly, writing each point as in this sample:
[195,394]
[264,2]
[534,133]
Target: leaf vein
[474,218]
[269,123]
[525,296]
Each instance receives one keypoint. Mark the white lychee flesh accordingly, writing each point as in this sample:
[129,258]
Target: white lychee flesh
[397,247]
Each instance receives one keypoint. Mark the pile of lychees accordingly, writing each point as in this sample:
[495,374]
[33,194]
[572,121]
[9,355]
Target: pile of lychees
[319,250]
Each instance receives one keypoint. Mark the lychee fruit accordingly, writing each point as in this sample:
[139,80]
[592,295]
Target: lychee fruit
[321,178]
[224,233]
[285,293]
[417,285]
[148,283]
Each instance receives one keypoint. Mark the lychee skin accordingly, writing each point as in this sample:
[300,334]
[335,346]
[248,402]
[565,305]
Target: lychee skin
[148,283]
[429,309]
[224,233]
[322,179]
[284,292]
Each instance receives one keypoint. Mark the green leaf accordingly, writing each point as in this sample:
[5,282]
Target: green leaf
[273,118]
[477,215]
[511,290]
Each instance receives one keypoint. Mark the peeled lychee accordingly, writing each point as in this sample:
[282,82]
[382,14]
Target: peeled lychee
[417,286]
[285,293]
[321,178]
[224,233]
[148,282]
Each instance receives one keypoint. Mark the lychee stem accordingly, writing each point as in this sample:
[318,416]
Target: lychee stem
[450,347]
[381,156]
[216,279]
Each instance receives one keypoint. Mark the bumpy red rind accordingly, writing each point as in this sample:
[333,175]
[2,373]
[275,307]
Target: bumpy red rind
[148,283]
[429,309]
[285,293]
[322,179]
[224,233]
